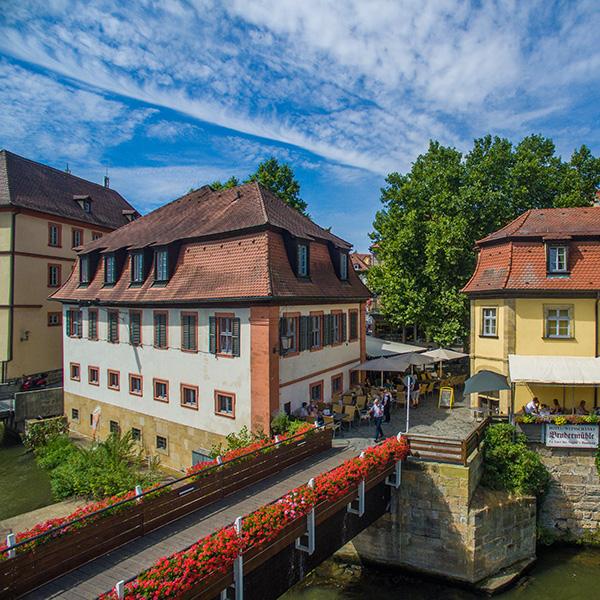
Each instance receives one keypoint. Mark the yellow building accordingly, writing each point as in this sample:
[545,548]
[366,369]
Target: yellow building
[44,215]
[534,293]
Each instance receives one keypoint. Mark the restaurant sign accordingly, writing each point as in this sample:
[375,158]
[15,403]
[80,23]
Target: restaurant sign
[572,436]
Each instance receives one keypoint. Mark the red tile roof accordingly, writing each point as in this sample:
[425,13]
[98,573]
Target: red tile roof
[34,186]
[514,257]
[362,261]
[240,254]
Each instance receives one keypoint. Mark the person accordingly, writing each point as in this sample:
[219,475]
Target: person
[581,409]
[319,421]
[556,407]
[545,410]
[303,411]
[312,409]
[388,384]
[533,407]
[377,414]
[387,405]
[414,395]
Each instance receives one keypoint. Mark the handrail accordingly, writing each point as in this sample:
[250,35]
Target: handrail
[158,488]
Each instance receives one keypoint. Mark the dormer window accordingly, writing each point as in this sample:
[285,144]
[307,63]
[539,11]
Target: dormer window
[302,260]
[343,266]
[161,265]
[137,267]
[110,269]
[84,269]
[85,202]
[87,206]
[557,259]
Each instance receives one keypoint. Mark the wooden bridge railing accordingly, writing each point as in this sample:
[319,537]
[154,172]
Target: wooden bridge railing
[449,450]
[34,563]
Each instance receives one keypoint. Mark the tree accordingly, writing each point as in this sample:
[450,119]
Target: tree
[432,216]
[276,176]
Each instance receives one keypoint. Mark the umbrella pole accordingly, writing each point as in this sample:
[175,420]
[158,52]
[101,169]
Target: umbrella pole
[440,372]
[382,378]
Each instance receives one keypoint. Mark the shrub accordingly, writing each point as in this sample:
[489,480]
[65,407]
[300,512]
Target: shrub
[39,433]
[234,441]
[280,424]
[510,465]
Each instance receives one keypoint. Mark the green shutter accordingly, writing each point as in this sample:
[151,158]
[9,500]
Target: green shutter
[343,320]
[68,322]
[304,343]
[327,330]
[212,335]
[235,338]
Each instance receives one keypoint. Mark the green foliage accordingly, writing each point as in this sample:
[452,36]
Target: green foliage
[105,469]
[243,438]
[510,465]
[528,419]
[276,176]
[281,423]
[41,432]
[432,216]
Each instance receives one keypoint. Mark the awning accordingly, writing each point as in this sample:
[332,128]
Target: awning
[485,382]
[378,347]
[444,354]
[554,370]
[398,364]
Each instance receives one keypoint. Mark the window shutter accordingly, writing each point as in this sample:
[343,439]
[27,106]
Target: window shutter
[343,320]
[282,332]
[304,334]
[235,338]
[212,335]
[68,323]
[327,331]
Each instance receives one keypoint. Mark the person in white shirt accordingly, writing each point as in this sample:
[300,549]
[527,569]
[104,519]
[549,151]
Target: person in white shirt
[303,411]
[533,407]
[377,414]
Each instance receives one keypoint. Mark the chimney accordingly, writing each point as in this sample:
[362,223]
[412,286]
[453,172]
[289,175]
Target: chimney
[67,170]
[106,181]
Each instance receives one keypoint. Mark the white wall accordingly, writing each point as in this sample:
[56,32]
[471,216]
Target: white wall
[205,370]
[319,365]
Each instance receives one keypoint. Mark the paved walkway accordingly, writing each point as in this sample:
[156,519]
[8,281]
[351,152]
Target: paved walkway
[101,574]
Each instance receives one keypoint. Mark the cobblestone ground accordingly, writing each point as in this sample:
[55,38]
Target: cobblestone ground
[427,419]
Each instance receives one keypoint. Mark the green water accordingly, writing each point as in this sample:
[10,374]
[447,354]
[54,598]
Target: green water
[23,485]
[561,573]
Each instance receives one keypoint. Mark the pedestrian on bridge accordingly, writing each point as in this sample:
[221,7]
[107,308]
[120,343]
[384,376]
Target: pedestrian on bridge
[377,414]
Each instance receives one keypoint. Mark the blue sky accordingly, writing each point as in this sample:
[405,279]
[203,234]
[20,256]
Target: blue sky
[172,95]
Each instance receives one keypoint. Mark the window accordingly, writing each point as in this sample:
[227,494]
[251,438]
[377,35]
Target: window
[136,434]
[343,266]
[189,396]
[54,319]
[137,267]
[92,324]
[54,235]
[74,323]
[74,414]
[76,237]
[161,390]
[135,384]
[353,315]
[189,331]
[96,235]
[135,327]
[337,384]
[161,443]
[302,260]
[224,335]
[225,404]
[338,322]
[354,378]
[288,334]
[489,322]
[161,265]
[113,380]
[110,269]
[557,259]
[91,419]
[93,375]
[87,206]
[316,391]
[160,329]
[75,371]
[558,322]
[114,427]
[84,269]
[113,326]
[316,338]
[53,276]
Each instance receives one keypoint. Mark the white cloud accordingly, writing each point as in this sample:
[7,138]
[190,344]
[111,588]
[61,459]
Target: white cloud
[171,130]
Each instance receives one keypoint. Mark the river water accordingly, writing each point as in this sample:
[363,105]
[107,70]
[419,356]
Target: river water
[23,485]
[561,573]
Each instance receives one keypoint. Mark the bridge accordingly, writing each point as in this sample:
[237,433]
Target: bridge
[101,552]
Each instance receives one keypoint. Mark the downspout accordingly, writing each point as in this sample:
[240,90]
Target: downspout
[597,341]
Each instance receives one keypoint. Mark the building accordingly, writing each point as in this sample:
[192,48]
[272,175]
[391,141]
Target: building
[361,263]
[534,293]
[44,215]
[214,312]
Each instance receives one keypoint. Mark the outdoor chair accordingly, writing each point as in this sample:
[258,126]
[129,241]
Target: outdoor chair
[335,398]
[348,415]
[348,399]
[330,422]
[361,402]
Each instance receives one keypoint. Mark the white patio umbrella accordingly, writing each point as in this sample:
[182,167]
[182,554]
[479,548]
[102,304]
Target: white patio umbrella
[444,354]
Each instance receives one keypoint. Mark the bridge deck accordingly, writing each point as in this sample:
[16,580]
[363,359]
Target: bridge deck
[101,574]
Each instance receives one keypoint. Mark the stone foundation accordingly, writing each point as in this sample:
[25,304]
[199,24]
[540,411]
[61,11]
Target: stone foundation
[181,440]
[571,508]
[441,523]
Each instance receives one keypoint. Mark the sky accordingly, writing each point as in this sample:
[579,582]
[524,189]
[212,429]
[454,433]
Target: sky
[171,95]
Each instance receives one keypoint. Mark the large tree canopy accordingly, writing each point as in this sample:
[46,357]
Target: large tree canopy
[278,177]
[432,216]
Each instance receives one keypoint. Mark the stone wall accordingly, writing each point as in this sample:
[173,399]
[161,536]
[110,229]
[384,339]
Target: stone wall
[571,508]
[441,523]
[47,402]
